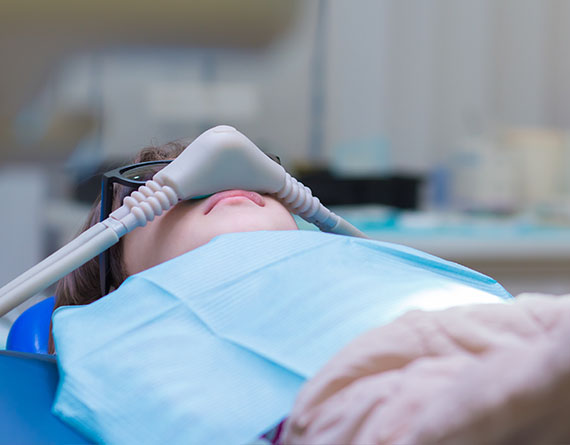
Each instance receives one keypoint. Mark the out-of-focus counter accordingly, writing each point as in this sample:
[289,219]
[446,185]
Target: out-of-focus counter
[522,254]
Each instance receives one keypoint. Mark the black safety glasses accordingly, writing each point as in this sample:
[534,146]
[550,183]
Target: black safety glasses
[129,178]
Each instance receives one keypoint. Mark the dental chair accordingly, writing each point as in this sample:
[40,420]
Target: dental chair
[29,379]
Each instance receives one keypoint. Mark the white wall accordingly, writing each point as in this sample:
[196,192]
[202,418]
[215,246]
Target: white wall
[422,75]
[430,73]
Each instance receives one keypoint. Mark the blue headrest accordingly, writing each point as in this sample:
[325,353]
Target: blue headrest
[30,331]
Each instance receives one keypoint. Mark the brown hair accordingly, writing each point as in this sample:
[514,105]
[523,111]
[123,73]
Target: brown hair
[82,285]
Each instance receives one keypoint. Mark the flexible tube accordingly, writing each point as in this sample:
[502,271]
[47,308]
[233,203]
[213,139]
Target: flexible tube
[54,257]
[299,200]
[52,270]
[143,205]
[343,227]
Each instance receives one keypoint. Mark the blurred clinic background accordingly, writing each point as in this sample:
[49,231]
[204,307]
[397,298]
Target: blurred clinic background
[443,125]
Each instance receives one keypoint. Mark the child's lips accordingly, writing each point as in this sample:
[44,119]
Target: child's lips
[211,202]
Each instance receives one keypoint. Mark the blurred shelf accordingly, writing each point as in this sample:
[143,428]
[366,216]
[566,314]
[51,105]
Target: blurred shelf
[513,247]
[464,238]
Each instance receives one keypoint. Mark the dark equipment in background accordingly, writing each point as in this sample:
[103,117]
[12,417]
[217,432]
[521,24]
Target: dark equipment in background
[395,190]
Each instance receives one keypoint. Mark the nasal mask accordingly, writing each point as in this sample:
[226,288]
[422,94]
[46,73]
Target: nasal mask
[220,159]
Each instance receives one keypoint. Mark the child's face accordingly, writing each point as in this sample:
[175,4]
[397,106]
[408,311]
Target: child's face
[191,224]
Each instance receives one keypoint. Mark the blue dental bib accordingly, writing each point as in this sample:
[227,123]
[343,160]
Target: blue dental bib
[213,346]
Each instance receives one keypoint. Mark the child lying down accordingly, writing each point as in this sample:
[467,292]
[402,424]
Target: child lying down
[206,335]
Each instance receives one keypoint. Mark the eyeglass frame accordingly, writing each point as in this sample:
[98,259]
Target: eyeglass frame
[108,180]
